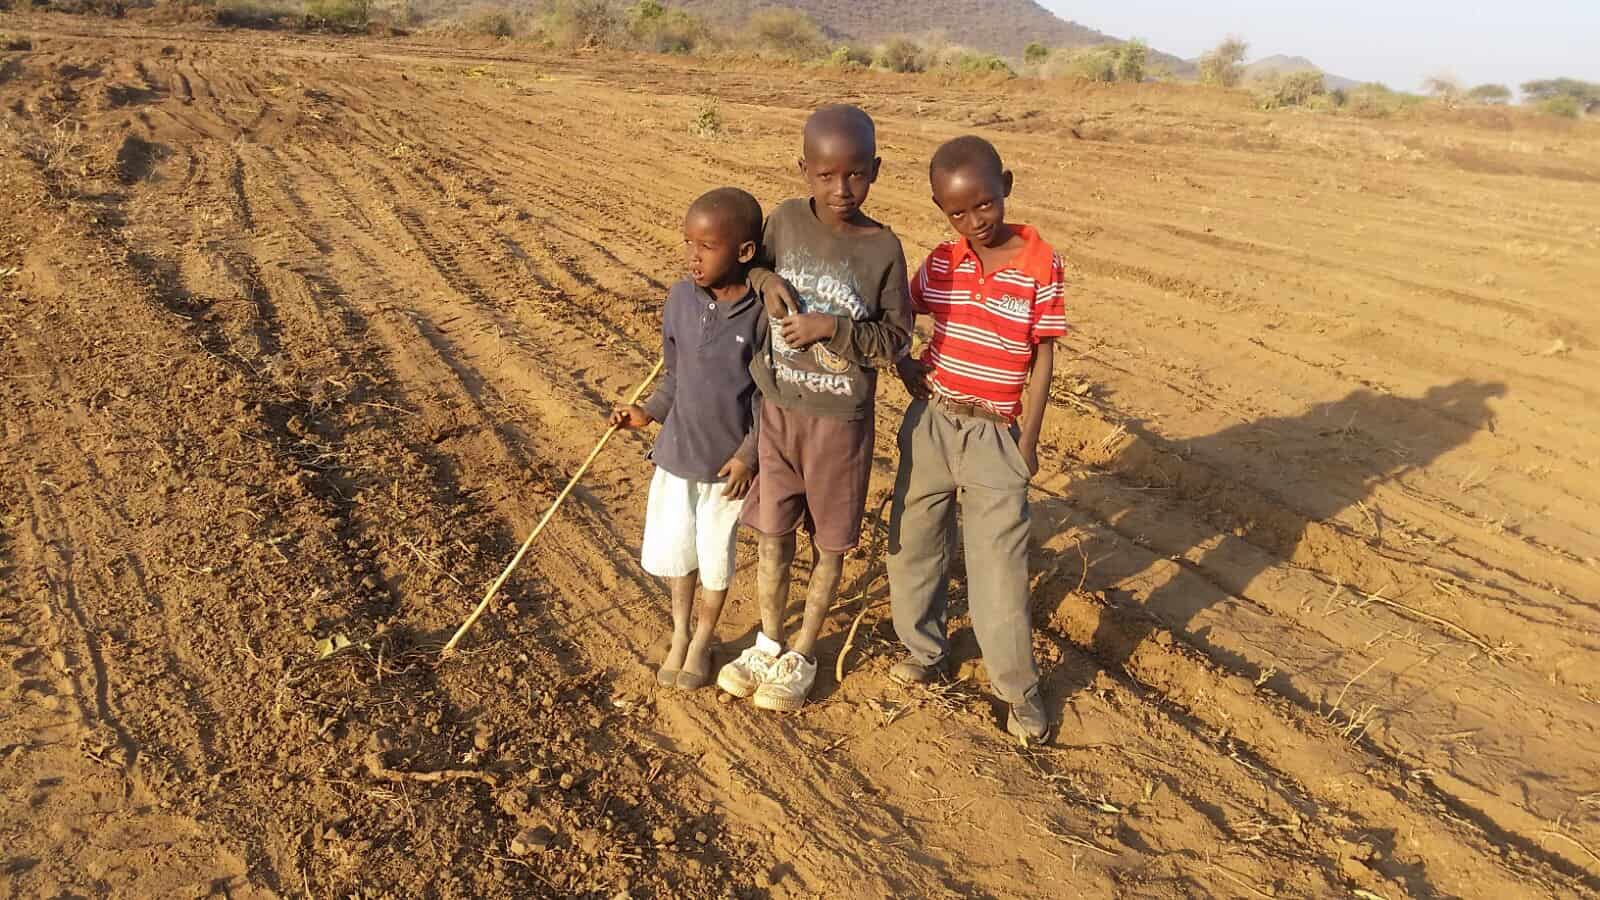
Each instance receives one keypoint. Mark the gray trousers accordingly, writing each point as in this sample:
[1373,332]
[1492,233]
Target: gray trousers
[942,457]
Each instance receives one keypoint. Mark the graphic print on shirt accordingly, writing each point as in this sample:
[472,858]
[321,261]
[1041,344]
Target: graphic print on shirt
[985,327]
[823,287]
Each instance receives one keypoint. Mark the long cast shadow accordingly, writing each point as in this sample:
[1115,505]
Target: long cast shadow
[1320,463]
[1327,460]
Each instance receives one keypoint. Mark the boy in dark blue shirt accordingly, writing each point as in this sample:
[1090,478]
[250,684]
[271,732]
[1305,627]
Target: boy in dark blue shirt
[705,456]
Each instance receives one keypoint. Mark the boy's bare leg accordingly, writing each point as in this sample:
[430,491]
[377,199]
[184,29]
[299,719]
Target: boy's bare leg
[774,560]
[682,608]
[820,594]
[697,659]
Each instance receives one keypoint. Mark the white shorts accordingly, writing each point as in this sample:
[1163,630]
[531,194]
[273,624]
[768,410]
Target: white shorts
[689,526]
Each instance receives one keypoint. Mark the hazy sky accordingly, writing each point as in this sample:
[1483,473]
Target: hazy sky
[1398,42]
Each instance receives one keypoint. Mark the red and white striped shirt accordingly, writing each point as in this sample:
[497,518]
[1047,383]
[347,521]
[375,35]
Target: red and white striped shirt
[986,325]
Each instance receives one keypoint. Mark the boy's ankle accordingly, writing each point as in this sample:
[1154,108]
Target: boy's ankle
[768,645]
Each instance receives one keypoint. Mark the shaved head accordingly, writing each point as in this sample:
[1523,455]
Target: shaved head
[966,153]
[841,122]
[734,210]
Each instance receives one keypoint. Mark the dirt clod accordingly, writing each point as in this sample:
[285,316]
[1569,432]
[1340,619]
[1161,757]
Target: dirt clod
[536,839]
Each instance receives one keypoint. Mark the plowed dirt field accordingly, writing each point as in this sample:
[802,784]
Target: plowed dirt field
[300,335]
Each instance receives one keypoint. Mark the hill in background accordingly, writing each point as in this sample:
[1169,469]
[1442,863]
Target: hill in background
[1004,27]
[1284,65]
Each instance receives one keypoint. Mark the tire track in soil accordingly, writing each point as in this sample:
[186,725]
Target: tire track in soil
[471,258]
[1237,590]
[216,339]
[452,273]
[451,270]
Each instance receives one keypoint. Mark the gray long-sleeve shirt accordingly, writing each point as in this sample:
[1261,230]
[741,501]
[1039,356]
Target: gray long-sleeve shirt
[858,278]
[705,400]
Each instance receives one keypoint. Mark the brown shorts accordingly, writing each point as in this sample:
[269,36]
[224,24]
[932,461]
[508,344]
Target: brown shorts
[812,470]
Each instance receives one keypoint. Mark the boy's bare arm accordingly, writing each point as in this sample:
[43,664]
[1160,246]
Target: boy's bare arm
[913,374]
[1035,401]
[775,293]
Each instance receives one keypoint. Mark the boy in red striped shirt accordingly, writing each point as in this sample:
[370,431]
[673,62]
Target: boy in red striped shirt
[995,297]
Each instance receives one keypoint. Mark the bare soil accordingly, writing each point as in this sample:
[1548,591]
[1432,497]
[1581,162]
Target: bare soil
[299,336]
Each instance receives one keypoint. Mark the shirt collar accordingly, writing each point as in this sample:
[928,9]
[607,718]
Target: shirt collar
[1034,253]
[728,310]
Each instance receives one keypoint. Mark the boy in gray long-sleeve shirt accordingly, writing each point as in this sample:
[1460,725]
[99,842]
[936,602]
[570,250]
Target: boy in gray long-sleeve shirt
[818,378]
[712,327]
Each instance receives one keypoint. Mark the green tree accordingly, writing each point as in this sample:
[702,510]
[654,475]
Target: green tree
[1495,94]
[1084,64]
[850,56]
[583,23]
[656,28]
[900,55]
[347,14]
[1444,88]
[1130,60]
[1224,64]
[969,62]
[645,12]
[1564,96]
[787,32]
[1563,105]
[1035,53]
[1292,89]
[1107,62]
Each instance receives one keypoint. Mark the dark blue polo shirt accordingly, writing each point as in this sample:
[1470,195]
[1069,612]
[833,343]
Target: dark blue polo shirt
[706,399]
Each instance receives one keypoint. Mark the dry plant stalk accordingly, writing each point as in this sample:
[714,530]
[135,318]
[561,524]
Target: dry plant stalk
[1469,637]
[855,624]
[494,589]
[378,770]
[1551,833]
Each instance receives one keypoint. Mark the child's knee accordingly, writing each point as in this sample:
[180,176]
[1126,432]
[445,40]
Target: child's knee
[828,564]
[775,549]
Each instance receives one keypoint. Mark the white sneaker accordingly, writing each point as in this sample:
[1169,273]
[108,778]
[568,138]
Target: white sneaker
[744,675]
[788,685]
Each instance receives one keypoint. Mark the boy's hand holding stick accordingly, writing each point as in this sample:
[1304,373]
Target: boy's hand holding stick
[625,413]
[630,416]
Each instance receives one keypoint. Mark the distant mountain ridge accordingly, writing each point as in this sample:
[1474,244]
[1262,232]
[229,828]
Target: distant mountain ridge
[1003,27]
[1281,64]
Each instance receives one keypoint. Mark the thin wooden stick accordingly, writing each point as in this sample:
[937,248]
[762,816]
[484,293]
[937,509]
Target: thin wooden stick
[549,513]
[1571,840]
[871,579]
[1471,638]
